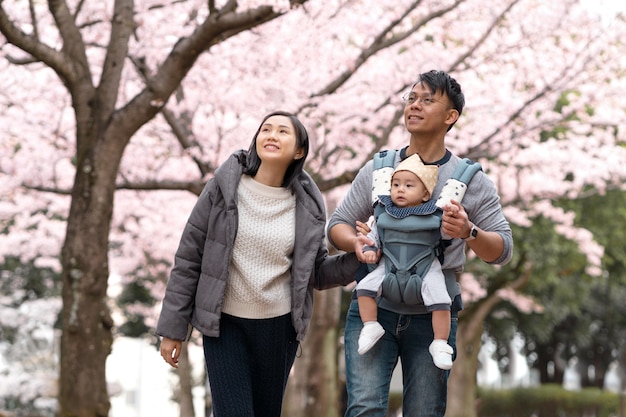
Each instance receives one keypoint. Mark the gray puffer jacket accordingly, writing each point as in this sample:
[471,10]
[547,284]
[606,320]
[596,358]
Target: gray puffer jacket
[195,290]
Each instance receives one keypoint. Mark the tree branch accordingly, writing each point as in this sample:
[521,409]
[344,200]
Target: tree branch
[485,306]
[74,54]
[215,29]
[381,41]
[191,186]
[122,26]
[481,149]
[179,125]
[32,46]
[195,187]
[470,51]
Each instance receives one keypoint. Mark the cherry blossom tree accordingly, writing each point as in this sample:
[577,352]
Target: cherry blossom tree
[104,105]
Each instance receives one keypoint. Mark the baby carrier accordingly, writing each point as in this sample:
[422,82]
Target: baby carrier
[410,237]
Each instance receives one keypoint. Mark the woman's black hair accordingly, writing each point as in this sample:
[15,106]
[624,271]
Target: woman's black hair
[253,162]
[442,82]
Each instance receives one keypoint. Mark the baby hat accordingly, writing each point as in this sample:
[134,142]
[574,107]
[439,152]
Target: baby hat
[427,173]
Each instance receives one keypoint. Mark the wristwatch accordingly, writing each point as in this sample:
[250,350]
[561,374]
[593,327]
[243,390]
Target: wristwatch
[473,233]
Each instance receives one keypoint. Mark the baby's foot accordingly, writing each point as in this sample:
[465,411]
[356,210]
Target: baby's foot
[441,352]
[370,334]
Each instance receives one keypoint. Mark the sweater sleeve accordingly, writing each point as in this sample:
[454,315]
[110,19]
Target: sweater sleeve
[482,204]
[484,209]
[357,203]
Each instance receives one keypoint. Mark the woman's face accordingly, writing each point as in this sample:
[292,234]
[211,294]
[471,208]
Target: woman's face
[276,142]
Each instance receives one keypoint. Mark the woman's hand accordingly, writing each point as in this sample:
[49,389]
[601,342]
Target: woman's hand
[371,257]
[365,256]
[170,351]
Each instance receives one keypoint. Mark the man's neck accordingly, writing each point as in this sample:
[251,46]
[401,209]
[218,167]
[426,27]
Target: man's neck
[429,150]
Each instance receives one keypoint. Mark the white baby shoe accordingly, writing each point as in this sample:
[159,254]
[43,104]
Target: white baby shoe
[370,334]
[441,352]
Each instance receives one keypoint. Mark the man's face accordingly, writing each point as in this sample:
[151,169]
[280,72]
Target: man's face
[425,112]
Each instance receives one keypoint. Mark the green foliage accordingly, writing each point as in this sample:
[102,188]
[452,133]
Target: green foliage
[136,300]
[21,408]
[135,292]
[557,283]
[583,316]
[564,100]
[547,401]
[26,281]
[604,215]
[134,326]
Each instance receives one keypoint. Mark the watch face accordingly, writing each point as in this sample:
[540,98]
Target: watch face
[473,233]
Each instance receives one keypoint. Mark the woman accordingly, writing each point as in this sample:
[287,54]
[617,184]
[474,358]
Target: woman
[250,255]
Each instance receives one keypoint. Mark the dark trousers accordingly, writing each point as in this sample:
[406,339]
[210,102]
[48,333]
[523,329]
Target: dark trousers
[248,365]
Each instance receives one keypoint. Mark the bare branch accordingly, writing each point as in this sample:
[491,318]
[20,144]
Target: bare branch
[472,49]
[482,309]
[33,18]
[32,46]
[183,134]
[381,41]
[562,78]
[73,48]
[121,31]
[215,29]
[52,190]
[21,61]
[185,137]
[194,187]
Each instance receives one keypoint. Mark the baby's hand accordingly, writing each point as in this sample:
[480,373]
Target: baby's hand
[452,209]
[455,223]
[370,256]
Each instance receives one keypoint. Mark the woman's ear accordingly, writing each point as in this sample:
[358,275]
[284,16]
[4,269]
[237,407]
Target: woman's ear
[299,154]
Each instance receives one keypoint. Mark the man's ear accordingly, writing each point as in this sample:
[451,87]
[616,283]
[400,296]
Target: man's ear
[452,117]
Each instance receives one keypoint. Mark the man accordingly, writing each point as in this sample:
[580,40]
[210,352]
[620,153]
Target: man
[432,107]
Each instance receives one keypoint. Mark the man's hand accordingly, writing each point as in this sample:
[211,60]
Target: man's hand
[454,221]
[362,228]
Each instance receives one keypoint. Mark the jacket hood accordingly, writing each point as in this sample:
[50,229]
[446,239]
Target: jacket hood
[305,186]
[227,177]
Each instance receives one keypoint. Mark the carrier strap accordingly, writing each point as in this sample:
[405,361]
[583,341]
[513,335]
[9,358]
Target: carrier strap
[465,170]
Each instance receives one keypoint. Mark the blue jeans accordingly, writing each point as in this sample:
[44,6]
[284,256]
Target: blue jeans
[407,337]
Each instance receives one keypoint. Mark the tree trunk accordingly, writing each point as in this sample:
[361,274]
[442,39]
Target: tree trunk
[313,388]
[86,320]
[550,363]
[184,391]
[462,382]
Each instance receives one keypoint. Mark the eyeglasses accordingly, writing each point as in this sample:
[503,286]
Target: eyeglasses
[425,100]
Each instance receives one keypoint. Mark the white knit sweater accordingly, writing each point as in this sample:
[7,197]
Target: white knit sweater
[259,284]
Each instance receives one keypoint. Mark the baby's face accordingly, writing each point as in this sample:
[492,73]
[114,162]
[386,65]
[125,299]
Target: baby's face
[407,189]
